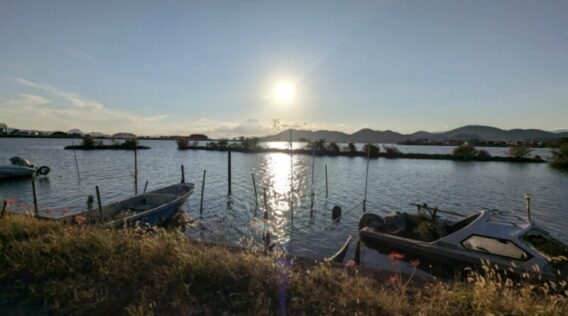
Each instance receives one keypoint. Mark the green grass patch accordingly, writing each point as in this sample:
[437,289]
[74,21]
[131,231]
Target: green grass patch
[92,270]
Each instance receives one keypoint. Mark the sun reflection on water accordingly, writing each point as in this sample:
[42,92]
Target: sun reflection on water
[277,176]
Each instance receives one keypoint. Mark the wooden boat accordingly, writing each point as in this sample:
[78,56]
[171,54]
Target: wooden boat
[151,208]
[340,254]
[508,241]
[20,167]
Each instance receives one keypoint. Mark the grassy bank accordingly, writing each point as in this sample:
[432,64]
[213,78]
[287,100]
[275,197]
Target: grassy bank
[90,270]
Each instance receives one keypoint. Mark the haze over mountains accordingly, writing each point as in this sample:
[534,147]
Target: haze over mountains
[486,133]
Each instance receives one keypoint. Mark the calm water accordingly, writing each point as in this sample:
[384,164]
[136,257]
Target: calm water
[393,184]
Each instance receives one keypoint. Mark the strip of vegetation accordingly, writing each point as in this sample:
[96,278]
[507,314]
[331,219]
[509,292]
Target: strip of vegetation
[560,158]
[89,143]
[91,270]
[321,148]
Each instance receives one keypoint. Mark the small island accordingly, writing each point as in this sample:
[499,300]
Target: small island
[465,152]
[89,143]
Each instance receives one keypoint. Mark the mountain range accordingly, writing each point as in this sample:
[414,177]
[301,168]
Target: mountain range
[469,132]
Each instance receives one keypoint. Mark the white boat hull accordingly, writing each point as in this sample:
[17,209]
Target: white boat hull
[12,171]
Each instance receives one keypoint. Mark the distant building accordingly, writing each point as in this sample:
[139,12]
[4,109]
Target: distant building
[3,129]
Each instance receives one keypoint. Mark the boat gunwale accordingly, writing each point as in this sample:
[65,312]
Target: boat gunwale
[134,217]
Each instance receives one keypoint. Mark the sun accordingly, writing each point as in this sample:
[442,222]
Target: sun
[283,92]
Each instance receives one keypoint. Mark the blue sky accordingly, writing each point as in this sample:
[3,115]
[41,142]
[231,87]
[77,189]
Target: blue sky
[165,67]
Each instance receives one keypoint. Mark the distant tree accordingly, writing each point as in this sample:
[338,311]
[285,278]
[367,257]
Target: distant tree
[465,152]
[223,143]
[482,154]
[371,150]
[560,157]
[15,132]
[250,143]
[520,150]
[182,142]
[391,150]
[351,148]
[332,147]
[88,140]
[58,134]
[198,137]
[130,143]
[318,144]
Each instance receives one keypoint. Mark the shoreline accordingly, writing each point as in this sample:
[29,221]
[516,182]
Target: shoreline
[364,154]
[105,147]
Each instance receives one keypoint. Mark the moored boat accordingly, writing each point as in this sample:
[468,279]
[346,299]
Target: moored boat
[151,208]
[20,167]
[506,240]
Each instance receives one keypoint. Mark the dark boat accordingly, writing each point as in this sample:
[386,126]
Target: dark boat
[151,208]
[506,240]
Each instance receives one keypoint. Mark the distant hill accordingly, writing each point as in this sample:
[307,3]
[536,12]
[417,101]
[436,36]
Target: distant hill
[469,132]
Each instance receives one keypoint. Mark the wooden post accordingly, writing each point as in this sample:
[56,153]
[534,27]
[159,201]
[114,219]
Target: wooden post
[202,190]
[312,189]
[326,191]
[291,177]
[265,204]
[145,186]
[135,170]
[528,199]
[99,203]
[366,177]
[229,171]
[4,208]
[255,194]
[182,175]
[36,213]
[76,163]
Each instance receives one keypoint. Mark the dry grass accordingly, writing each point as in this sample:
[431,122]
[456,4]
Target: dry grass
[90,270]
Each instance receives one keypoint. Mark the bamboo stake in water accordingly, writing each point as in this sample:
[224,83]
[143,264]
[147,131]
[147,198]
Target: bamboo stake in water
[145,186]
[135,171]
[312,189]
[291,178]
[265,204]
[229,171]
[36,213]
[255,194]
[326,182]
[366,177]
[99,203]
[182,175]
[202,191]
[76,163]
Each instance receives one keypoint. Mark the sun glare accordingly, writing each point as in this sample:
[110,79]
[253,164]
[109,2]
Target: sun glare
[283,92]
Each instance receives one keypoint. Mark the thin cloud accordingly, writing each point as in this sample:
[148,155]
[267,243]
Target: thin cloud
[51,108]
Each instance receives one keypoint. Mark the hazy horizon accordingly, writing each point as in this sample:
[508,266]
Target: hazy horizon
[249,68]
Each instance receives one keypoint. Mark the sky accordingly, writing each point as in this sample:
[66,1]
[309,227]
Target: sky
[180,67]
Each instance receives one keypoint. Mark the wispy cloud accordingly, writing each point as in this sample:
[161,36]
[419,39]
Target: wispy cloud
[74,99]
[51,108]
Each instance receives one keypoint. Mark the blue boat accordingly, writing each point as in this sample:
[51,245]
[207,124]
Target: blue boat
[151,208]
